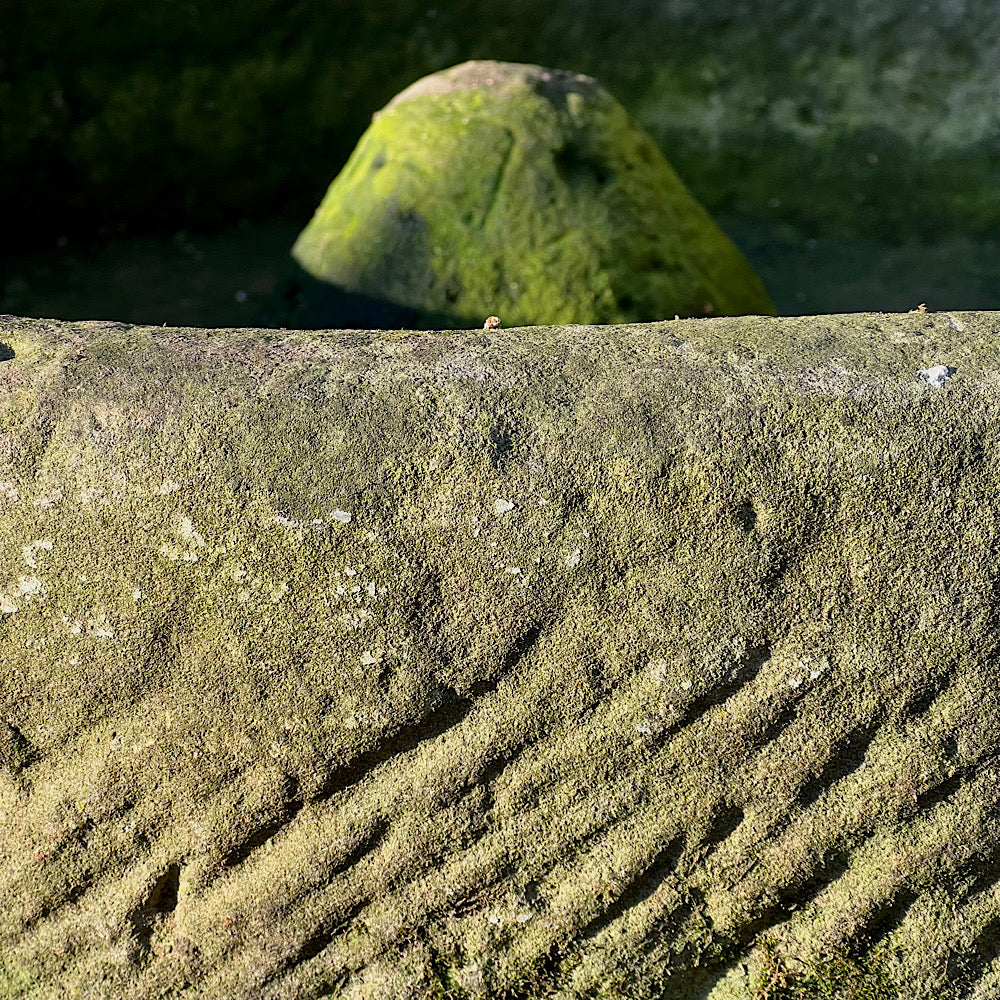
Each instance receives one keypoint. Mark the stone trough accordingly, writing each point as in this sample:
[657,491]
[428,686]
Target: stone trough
[623,661]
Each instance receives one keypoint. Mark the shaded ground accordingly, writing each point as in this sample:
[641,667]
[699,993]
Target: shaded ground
[224,279]
[216,280]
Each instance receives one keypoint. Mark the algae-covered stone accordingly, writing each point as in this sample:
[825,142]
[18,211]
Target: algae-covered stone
[516,190]
[647,662]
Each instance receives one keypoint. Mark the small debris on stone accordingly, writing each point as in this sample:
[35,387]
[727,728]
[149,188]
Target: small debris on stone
[503,506]
[922,308]
[342,516]
[937,375]
[492,323]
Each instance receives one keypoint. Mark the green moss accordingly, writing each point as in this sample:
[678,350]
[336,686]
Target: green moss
[15,980]
[480,192]
[835,978]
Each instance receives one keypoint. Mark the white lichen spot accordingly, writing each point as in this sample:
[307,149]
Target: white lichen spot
[956,324]
[278,591]
[476,531]
[244,596]
[794,682]
[356,590]
[51,498]
[371,589]
[523,918]
[503,506]
[343,516]
[91,493]
[643,729]
[372,657]
[514,570]
[136,594]
[74,661]
[98,627]
[9,491]
[658,670]
[813,674]
[495,918]
[936,375]
[356,619]
[685,685]
[31,550]
[29,586]
[573,559]
[286,522]
[7,606]
[188,534]
[166,487]
[350,572]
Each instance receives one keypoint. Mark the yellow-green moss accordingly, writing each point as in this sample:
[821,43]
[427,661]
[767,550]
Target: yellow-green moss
[495,188]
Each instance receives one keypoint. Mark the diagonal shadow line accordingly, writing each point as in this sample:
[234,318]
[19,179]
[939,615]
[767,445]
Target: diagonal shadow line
[747,670]
[639,888]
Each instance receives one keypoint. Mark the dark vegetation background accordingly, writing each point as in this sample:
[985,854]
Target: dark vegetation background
[157,159]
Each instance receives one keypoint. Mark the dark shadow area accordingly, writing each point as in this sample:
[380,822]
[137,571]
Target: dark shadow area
[302,302]
[137,136]
[848,756]
[16,750]
[639,888]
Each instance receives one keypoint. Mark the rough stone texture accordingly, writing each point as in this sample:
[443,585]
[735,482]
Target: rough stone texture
[516,190]
[635,661]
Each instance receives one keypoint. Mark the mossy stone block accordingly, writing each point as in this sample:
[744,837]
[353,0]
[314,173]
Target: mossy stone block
[529,193]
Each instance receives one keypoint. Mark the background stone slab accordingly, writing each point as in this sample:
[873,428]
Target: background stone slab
[598,661]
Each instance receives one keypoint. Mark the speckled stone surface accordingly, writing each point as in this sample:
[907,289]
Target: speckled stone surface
[650,661]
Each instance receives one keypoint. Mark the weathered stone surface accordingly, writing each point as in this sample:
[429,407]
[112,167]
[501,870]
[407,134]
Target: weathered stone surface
[516,190]
[636,661]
